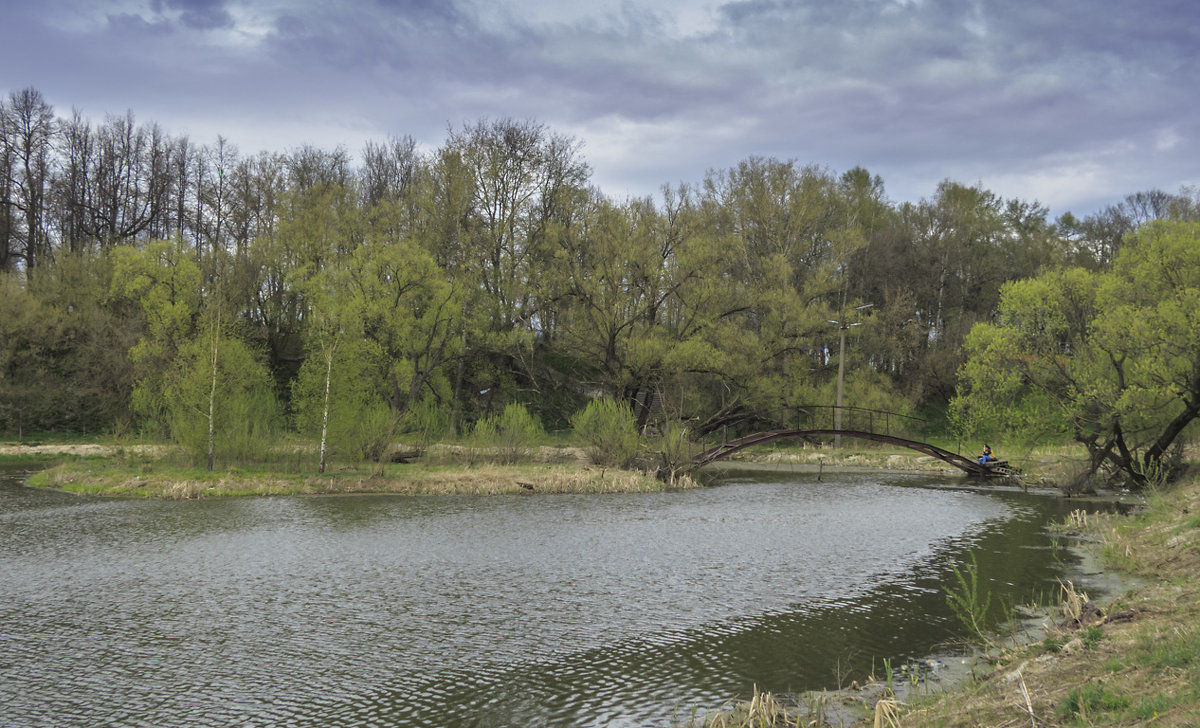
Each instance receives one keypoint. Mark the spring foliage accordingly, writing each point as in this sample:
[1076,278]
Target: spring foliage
[1114,356]
[609,429]
[508,436]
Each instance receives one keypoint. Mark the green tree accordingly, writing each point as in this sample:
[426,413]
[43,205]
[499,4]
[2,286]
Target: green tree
[1116,352]
[408,311]
[64,361]
[162,281]
[336,397]
[520,183]
[219,398]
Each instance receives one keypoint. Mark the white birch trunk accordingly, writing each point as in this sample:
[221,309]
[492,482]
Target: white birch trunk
[325,411]
[212,400]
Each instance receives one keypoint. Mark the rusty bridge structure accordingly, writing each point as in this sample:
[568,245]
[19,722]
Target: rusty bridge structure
[821,421]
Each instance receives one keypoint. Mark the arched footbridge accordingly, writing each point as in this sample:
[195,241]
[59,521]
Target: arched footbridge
[967,465]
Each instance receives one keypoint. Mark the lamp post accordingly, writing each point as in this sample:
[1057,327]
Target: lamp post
[837,410]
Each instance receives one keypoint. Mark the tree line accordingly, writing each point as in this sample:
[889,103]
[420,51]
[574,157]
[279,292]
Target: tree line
[158,285]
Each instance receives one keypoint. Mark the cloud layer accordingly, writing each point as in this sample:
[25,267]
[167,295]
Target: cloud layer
[1074,104]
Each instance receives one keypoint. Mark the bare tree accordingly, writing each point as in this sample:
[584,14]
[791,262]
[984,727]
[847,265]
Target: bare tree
[28,126]
[388,169]
[122,207]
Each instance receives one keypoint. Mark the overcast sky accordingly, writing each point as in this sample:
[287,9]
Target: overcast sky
[1074,103]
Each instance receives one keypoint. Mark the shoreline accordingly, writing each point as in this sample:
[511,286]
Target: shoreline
[407,480]
[144,471]
[944,673]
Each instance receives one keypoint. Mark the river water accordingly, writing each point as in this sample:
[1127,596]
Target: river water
[590,610]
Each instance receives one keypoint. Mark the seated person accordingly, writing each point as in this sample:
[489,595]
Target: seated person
[986,457]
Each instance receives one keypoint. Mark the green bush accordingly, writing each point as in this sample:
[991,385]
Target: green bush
[510,435]
[609,430]
[674,451]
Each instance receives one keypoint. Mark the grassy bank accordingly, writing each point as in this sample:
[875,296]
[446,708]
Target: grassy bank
[150,470]
[95,466]
[1135,663]
[94,477]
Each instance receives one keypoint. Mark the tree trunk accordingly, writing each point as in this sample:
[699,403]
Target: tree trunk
[456,405]
[212,400]
[1154,455]
[325,410]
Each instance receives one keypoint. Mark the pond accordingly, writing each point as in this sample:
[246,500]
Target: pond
[589,610]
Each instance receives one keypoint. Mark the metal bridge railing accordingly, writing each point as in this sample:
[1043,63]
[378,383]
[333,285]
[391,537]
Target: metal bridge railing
[861,419]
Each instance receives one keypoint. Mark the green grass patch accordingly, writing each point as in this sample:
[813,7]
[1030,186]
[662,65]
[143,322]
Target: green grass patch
[1149,709]
[1081,705]
[1175,648]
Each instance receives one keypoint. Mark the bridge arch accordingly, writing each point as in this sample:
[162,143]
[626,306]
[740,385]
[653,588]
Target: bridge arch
[728,448]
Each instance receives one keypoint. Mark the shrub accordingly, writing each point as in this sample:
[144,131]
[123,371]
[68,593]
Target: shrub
[609,430]
[510,434]
[674,453]
[428,420]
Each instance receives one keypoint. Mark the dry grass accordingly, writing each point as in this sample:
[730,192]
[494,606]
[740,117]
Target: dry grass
[154,481]
[763,710]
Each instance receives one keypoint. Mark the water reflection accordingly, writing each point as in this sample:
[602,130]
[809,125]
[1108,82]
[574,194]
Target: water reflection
[558,611]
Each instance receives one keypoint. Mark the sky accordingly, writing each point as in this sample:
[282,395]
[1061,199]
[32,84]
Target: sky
[1070,103]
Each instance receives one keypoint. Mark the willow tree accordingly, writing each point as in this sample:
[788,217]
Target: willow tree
[407,314]
[219,397]
[1117,353]
[162,281]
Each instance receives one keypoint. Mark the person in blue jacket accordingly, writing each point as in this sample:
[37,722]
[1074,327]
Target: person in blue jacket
[986,457]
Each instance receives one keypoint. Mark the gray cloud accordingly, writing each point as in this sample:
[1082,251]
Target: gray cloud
[1073,103]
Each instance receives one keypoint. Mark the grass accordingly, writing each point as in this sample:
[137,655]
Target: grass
[135,469]
[157,480]
[970,604]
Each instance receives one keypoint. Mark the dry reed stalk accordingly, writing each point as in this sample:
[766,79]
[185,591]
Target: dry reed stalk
[1028,700]
[887,714]
[763,708]
[1073,602]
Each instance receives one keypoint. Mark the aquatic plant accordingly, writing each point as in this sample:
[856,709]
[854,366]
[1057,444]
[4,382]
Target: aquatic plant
[969,603]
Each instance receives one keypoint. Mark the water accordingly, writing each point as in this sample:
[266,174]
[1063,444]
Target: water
[614,610]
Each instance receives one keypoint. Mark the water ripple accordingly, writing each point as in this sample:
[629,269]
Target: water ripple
[613,610]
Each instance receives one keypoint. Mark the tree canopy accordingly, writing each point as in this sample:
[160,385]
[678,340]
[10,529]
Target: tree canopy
[442,286]
[1113,354]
